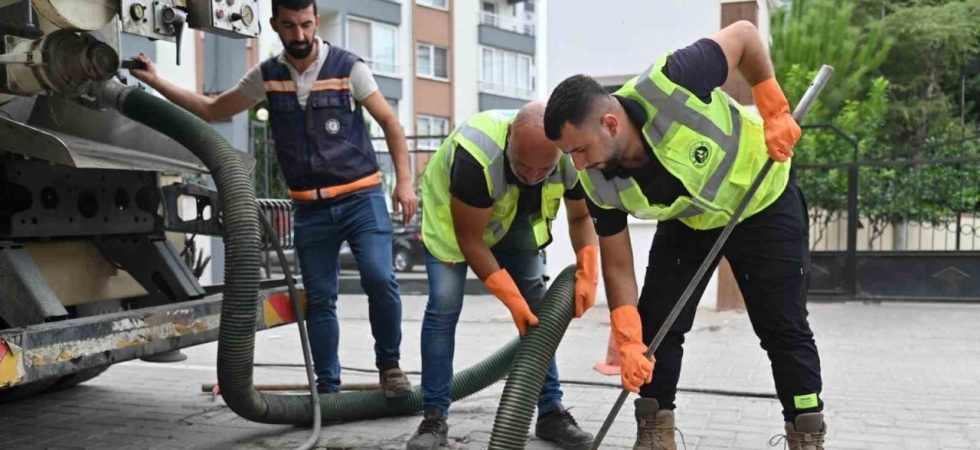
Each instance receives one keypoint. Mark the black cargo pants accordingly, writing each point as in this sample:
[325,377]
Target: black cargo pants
[769,255]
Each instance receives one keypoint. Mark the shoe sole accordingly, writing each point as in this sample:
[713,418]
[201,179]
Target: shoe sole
[444,443]
[397,394]
[565,445]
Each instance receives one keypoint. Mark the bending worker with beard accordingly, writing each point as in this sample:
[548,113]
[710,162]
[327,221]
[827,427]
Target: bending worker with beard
[315,92]
[671,146]
[489,196]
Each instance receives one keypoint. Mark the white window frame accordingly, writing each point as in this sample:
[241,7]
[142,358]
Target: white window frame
[499,87]
[431,49]
[431,144]
[431,4]
[377,67]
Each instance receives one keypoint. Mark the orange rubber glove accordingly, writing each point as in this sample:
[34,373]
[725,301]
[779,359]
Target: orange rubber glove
[782,131]
[502,286]
[637,370]
[586,278]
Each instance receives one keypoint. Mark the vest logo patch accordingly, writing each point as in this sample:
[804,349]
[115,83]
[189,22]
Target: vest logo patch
[700,153]
[333,126]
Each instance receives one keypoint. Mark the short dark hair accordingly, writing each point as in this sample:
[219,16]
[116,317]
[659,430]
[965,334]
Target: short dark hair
[295,5]
[571,101]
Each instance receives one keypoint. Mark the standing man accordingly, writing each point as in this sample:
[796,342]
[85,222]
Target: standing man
[489,196]
[671,146]
[315,92]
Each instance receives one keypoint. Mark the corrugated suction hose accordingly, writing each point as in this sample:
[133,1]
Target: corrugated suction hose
[527,372]
[236,337]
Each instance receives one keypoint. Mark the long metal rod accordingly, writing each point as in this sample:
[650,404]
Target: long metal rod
[801,110]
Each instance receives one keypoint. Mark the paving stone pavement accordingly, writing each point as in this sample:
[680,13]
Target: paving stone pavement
[896,376]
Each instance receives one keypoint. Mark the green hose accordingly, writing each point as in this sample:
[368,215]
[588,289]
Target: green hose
[527,373]
[236,336]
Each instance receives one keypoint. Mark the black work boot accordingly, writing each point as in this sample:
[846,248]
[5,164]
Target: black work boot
[807,432]
[654,426]
[559,426]
[431,433]
[394,383]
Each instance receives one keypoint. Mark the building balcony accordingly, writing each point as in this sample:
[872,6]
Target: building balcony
[495,96]
[506,91]
[508,23]
[507,32]
[384,68]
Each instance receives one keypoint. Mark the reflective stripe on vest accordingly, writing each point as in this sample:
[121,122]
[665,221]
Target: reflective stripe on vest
[494,153]
[332,84]
[671,109]
[280,86]
[607,192]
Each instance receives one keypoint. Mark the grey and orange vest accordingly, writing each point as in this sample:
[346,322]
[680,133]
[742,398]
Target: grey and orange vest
[323,150]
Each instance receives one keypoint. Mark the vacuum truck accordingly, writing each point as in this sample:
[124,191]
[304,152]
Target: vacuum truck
[98,211]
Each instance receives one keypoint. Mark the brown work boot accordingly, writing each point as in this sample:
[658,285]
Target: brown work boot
[806,434]
[654,426]
[394,383]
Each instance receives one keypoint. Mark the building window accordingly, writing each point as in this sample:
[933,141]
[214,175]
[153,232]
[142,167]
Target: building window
[433,62]
[431,126]
[441,4]
[506,73]
[376,43]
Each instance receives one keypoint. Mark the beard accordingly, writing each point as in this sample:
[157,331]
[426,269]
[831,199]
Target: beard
[299,49]
[613,166]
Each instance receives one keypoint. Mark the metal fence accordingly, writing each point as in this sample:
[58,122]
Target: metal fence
[896,228]
[903,227]
[269,182]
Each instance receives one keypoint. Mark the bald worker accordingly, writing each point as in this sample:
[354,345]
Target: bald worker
[489,195]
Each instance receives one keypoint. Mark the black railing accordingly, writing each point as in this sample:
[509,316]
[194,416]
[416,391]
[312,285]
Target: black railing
[920,201]
[269,182]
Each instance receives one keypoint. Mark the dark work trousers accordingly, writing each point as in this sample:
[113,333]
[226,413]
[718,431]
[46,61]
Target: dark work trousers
[769,255]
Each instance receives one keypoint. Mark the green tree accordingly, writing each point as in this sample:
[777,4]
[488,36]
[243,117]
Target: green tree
[811,33]
[934,40]
[860,119]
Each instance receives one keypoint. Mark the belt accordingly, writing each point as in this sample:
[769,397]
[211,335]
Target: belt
[334,191]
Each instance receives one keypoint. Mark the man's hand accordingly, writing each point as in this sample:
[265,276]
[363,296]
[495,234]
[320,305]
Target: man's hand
[148,74]
[782,131]
[627,330]
[586,279]
[502,286]
[405,201]
[637,370]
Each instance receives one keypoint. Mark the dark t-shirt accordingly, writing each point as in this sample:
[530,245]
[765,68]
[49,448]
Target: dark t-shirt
[700,68]
[468,183]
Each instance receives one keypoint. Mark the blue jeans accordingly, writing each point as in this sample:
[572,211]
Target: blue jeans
[319,229]
[446,287]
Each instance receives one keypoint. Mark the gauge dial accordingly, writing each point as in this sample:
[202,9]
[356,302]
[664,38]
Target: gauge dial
[248,15]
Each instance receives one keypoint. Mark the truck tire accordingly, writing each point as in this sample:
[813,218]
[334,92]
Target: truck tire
[402,260]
